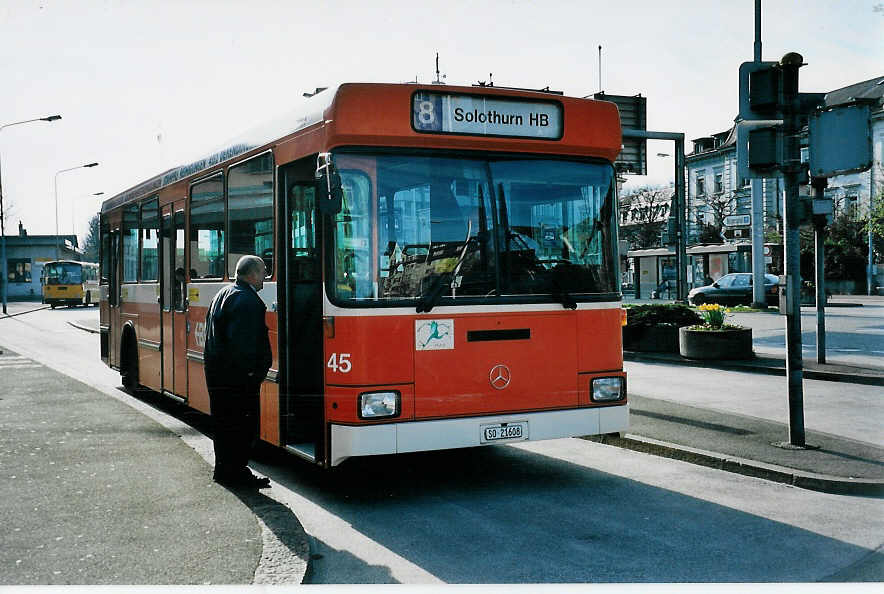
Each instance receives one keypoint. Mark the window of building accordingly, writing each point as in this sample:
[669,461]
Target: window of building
[207,228]
[719,181]
[701,183]
[150,229]
[250,211]
[130,244]
[18,270]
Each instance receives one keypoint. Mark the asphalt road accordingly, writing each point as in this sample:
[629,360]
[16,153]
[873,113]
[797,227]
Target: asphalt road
[550,512]
[854,335]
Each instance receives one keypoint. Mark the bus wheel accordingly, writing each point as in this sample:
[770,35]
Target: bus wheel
[52,305]
[129,367]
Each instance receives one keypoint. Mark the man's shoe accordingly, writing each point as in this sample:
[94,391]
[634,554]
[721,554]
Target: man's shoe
[256,482]
[246,480]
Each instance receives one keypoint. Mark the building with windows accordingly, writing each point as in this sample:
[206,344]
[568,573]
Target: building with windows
[25,256]
[718,202]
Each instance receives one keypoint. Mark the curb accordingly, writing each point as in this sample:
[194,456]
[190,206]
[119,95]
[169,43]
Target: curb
[771,472]
[79,326]
[815,374]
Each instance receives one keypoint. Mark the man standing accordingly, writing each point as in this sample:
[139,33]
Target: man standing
[237,357]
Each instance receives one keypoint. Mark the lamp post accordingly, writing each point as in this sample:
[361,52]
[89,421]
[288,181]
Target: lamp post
[4,272]
[57,249]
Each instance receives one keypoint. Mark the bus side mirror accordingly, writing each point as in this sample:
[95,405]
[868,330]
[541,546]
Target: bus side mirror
[329,190]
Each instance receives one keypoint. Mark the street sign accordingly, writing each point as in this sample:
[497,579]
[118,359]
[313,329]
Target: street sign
[633,156]
[840,141]
[738,221]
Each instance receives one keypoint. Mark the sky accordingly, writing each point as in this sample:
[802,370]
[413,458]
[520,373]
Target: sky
[145,85]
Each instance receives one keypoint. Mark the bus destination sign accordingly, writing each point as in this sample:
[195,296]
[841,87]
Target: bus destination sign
[444,113]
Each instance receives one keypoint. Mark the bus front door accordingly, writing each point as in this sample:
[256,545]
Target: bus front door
[301,358]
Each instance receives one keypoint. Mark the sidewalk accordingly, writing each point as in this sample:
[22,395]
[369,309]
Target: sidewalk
[96,491]
[754,446]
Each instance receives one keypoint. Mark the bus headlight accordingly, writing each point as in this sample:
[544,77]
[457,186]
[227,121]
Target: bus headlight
[374,405]
[607,389]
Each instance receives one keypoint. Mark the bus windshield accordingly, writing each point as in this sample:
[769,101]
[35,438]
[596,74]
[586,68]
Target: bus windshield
[430,229]
[63,273]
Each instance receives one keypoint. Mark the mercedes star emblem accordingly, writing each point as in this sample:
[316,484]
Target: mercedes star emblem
[500,377]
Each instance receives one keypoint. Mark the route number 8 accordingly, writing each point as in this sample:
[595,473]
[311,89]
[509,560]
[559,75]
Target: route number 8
[426,114]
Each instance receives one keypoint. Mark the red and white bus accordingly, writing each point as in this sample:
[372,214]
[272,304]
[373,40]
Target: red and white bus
[442,269]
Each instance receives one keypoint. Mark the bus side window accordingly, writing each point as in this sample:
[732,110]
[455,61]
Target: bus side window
[207,228]
[250,212]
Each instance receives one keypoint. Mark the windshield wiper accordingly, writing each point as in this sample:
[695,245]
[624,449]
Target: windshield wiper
[431,297]
[561,295]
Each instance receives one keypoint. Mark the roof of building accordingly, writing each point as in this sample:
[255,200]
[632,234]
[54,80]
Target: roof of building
[23,240]
[868,89]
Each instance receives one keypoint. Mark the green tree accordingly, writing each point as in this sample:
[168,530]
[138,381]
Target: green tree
[90,245]
[875,226]
[846,246]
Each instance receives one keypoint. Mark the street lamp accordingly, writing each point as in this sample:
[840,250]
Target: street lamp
[57,250]
[4,272]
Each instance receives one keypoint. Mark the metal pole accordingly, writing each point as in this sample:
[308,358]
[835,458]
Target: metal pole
[758,297]
[819,238]
[55,187]
[600,69]
[757,189]
[758,30]
[57,252]
[680,221]
[871,270]
[791,170]
[4,272]
[681,232]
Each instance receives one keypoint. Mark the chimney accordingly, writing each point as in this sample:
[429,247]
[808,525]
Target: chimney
[21,230]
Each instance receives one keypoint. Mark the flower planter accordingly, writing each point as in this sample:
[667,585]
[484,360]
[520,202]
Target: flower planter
[733,343]
[651,339]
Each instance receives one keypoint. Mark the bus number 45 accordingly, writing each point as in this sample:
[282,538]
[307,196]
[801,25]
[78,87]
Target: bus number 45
[339,363]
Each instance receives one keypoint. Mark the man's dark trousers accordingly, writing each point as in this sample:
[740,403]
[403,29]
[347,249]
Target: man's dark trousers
[235,413]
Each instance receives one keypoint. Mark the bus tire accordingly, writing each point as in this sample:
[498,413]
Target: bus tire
[129,363]
[52,305]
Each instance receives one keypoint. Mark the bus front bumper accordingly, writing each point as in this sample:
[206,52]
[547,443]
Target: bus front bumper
[417,436]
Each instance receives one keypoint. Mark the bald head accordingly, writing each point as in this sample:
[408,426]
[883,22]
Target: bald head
[251,269]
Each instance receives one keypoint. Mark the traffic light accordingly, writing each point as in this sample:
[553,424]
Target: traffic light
[765,148]
[759,90]
[767,93]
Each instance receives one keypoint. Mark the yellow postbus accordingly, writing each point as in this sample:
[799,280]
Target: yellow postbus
[66,282]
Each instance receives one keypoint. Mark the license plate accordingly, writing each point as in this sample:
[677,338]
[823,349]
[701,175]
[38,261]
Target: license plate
[503,431]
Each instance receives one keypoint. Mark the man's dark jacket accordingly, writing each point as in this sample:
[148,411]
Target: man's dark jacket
[237,351]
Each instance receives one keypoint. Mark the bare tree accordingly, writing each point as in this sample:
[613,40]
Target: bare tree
[721,205]
[8,213]
[643,215]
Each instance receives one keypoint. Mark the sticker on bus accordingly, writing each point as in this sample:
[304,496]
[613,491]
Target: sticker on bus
[433,335]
